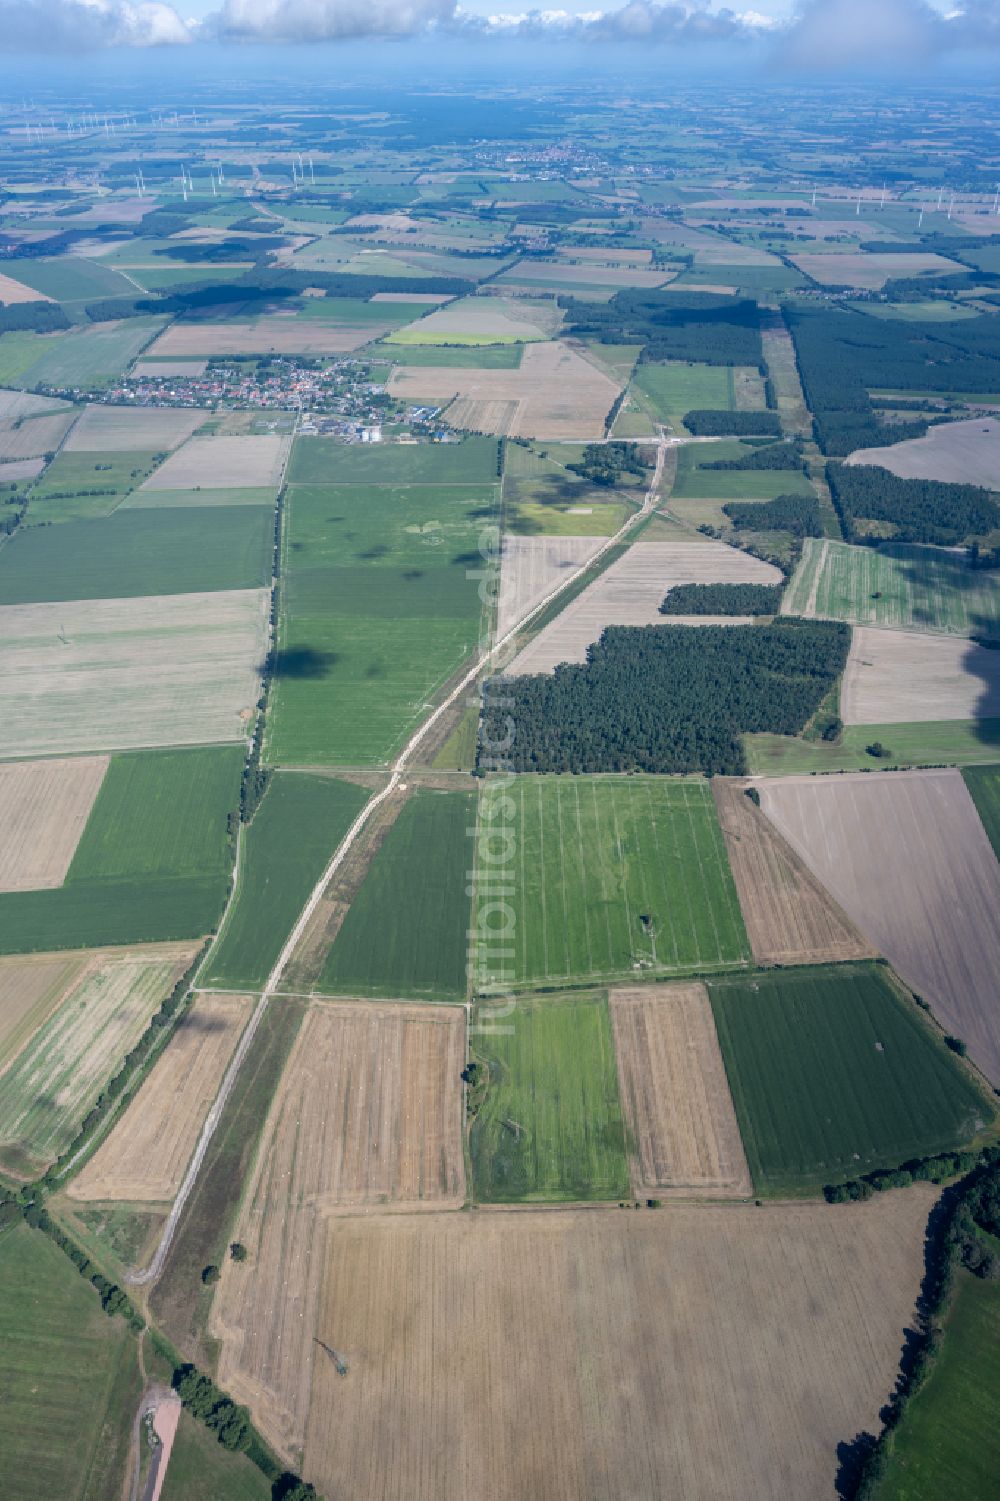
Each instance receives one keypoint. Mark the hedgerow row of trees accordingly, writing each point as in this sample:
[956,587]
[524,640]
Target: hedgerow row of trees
[798,514]
[723,599]
[665,698]
[919,510]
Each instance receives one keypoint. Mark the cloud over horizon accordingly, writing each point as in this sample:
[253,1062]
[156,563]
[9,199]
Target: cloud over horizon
[819,36]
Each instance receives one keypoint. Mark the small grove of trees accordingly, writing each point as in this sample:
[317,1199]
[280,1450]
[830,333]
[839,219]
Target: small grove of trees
[723,599]
[798,514]
[917,510]
[769,456]
[606,463]
[706,422]
[220,1414]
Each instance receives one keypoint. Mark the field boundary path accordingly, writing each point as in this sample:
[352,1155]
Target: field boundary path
[273,981]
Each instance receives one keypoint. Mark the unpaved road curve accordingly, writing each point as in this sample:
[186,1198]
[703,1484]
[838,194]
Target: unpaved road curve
[339,856]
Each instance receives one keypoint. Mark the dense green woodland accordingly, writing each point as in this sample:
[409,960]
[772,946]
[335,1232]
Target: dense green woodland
[770,456]
[918,510]
[798,514]
[701,326]
[723,599]
[665,698]
[708,423]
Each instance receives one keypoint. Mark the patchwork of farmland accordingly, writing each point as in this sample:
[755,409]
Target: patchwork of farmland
[117,674]
[406,932]
[590,877]
[549,1127]
[834,1073]
[369,1111]
[765,1335]
[916,588]
[906,856]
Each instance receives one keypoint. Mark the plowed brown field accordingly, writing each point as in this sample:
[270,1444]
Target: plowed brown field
[675,1094]
[703,1352]
[144,1158]
[369,1112]
[790,916]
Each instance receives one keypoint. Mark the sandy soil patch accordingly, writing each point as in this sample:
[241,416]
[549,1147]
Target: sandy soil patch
[19,469]
[966,453]
[44,807]
[532,566]
[369,1112]
[102,429]
[899,677]
[675,1094]
[715,1353]
[168,368]
[631,591]
[223,464]
[908,859]
[35,436]
[500,316]
[30,989]
[272,335]
[558,393]
[13,292]
[144,1158]
[870,270]
[790,917]
[117,674]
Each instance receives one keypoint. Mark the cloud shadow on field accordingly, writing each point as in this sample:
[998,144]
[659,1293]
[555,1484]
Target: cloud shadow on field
[304,662]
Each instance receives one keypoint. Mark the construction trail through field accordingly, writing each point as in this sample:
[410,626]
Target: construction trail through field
[273,981]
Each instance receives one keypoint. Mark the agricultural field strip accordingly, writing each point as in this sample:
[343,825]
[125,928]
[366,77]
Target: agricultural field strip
[631,591]
[733,1344]
[44,807]
[106,429]
[529,566]
[901,677]
[675,1094]
[966,453]
[337,859]
[31,986]
[369,1111]
[906,855]
[223,463]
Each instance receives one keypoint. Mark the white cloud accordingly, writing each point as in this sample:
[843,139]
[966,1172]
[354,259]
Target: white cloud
[830,35]
[87,25]
[323,20]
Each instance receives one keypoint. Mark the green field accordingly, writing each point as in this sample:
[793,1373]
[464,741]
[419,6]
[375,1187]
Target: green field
[320,461]
[947,742]
[751,279]
[19,351]
[983,783]
[153,862]
[670,390]
[159,500]
[925,588]
[948,1442]
[61,492]
[541,495]
[177,550]
[612,875]
[91,355]
[550,1126]
[72,278]
[379,605]
[695,483]
[833,1073]
[70,1378]
[450,336]
[201,1469]
[938,311]
[405,933]
[486,357]
[285,850]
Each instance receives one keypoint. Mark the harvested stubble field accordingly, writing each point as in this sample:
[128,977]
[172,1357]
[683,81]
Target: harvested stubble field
[834,1071]
[631,591]
[14,292]
[30,989]
[117,674]
[870,269]
[144,1158]
[900,677]
[908,859]
[44,807]
[549,1127]
[682,1131]
[790,916]
[53,1081]
[20,469]
[530,567]
[558,394]
[223,463]
[914,588]
[613,875]
[478,320]
[713,1352]
[104,429]
[966,453]
[369,1112]
[34,436]
[275,335]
